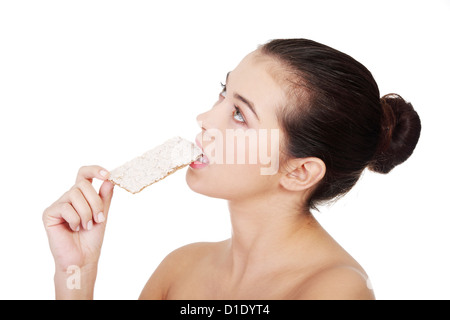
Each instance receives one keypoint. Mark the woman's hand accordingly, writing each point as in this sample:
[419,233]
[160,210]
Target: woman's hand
[75,226]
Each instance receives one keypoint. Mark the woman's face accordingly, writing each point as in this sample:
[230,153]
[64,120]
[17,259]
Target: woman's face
[240,135]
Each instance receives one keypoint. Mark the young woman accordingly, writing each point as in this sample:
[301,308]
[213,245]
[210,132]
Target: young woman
[331,124]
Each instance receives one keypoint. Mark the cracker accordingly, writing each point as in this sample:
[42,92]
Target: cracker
[155,164]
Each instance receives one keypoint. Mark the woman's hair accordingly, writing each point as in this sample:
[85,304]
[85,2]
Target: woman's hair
[335,113]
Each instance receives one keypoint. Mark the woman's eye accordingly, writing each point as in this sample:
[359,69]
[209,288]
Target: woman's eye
[237,115]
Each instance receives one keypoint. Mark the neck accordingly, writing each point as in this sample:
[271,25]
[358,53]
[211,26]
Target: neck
[266,229]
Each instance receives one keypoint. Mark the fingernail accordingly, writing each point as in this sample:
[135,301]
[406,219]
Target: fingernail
[103,173]
[101,217]
[89,225]
[78,228]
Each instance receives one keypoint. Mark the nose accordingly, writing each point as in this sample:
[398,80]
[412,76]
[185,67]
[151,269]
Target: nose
[209,119]
[200,120]
[212,118]
[210,124]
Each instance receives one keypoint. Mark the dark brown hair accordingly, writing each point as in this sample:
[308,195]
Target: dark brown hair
[336,114]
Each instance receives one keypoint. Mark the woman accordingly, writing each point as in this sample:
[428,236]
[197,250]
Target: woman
[331,124]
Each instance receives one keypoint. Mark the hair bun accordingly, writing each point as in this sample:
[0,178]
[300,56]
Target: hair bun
[400,131]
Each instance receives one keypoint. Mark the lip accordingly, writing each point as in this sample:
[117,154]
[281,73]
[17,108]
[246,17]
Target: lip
[200,164]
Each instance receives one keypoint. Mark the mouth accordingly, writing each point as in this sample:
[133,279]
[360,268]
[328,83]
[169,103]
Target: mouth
[201,162]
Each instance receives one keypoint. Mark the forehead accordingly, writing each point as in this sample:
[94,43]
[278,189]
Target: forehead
[254,78]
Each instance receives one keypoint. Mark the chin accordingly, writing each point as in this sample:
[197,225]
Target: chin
[202,183]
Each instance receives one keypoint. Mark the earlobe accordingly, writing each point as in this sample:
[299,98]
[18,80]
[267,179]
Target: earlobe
[303,173]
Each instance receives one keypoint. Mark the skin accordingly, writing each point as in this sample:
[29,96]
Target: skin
[276,250]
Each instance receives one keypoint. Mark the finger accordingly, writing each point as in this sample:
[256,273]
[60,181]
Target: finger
[106,192]
[93,199]
[90,172]
[59,213]
[69,214]
[82,207]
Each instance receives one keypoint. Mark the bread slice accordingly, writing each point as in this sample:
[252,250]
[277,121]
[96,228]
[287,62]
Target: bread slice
[155,164]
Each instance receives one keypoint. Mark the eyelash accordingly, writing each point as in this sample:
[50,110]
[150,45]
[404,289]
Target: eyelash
[236,109]
[224,88]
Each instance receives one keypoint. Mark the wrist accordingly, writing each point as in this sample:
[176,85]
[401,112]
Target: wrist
[74,282]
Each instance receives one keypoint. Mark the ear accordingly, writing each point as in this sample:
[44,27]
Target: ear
[303,173]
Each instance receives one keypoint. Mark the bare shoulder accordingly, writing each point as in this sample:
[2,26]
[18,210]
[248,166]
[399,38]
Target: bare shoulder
[174,266]
[193,253]
[197,248]
[337,282]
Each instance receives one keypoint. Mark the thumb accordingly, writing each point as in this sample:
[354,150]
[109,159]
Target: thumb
[106,193]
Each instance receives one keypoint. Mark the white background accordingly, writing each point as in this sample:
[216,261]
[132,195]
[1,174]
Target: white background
[99,82]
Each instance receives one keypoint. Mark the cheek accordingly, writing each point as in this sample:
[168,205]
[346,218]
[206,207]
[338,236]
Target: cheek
[240,167]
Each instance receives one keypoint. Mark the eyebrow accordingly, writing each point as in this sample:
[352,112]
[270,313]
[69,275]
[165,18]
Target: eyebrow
[249,104]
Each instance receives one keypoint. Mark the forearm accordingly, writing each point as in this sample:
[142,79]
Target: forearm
[75,283]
